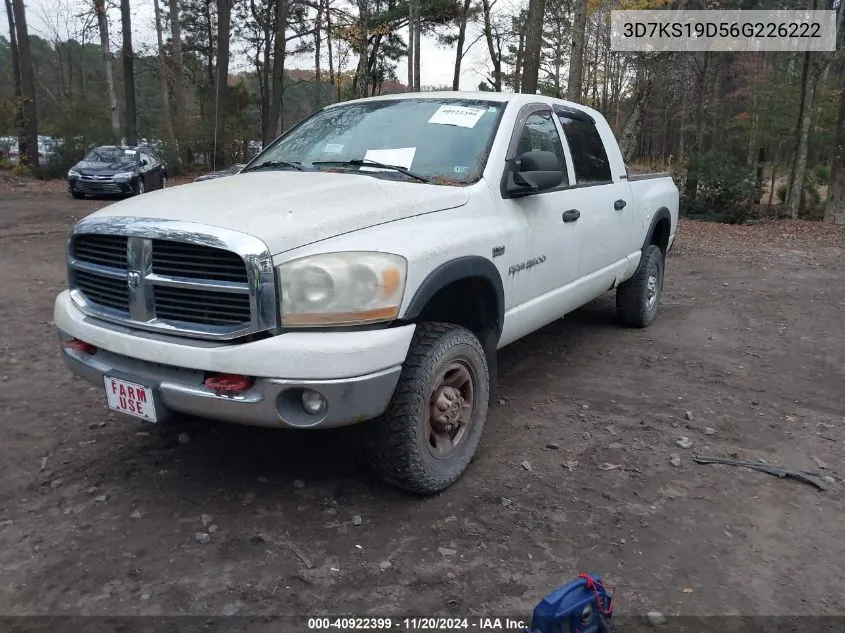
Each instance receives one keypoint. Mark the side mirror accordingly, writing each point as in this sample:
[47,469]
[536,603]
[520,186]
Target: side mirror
[144,162]
[534,172]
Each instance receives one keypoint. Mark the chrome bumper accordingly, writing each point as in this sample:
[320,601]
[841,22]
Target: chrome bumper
[270,402]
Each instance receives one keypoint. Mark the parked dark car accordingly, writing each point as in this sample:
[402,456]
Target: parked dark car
[117,170]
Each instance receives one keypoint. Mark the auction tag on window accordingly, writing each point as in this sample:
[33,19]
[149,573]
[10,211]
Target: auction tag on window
[401,157]
[457,115]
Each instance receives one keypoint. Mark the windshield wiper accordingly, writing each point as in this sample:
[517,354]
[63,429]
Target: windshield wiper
[365,162]
[276,163]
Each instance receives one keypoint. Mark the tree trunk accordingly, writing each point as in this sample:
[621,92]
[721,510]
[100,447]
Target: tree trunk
[16,68]
[630,135]
[209,33]
[28,132]
[162,63]
[812,69]
[595,70]
[318,23]
[691,185]
[224,28]
[105,48]
[329,42]
[410,45]
[533,44]
[180,105]
[519,60]
[278,80]
[495,56]
[362,72]
[576,60]
[459,46]
[417,29]
[128,74]
[834,208]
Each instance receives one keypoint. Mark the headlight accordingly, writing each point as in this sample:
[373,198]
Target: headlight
[341,288]
[72,174]
[126,175]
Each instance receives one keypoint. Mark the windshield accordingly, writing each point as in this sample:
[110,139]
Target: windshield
[111,155]
[445,141]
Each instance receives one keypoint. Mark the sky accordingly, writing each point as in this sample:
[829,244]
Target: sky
[46,17]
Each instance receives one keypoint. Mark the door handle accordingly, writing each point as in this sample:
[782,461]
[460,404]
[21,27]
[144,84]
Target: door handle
[619,205]
[571,215]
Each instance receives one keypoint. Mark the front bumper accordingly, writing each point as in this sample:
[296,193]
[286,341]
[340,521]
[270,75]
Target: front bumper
[355,372]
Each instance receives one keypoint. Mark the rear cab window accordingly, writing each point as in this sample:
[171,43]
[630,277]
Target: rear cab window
[589,157]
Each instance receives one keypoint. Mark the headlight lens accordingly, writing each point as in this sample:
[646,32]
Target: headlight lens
[126,175]
[72,174]
[341,288]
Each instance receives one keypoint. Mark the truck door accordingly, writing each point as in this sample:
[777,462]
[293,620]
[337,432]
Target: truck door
[551,266]
[604,200]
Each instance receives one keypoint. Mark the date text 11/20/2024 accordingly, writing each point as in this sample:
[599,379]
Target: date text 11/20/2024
[480,624]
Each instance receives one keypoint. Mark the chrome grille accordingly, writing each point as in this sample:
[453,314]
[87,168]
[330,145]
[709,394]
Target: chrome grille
[201,306]
[197,262]
[103,250]
[172,276]
[105,291]
[89,186]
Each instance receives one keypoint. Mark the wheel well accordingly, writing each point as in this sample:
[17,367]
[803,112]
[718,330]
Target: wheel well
[660,236]
[470,302]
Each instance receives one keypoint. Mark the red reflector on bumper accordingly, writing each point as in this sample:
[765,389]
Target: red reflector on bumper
[79,346]
[228,383]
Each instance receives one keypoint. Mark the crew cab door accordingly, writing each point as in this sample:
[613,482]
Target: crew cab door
[551,266]
[603,199]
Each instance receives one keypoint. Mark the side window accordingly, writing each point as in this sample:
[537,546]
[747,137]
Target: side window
[588,155]
[540,133]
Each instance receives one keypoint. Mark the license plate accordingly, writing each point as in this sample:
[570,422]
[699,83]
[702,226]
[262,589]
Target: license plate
[130,398]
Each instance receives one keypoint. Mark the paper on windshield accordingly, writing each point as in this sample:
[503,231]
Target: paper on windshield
[401,156]
[457,115]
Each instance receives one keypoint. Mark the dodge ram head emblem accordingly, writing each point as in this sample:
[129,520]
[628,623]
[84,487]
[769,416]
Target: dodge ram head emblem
[133,279]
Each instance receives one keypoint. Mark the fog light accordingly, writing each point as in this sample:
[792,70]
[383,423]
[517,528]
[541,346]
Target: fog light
[313,402]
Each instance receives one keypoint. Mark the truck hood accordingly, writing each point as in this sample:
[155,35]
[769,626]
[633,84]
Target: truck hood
[289,209]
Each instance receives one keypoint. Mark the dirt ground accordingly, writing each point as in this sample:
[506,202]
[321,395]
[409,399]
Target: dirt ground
[99,514]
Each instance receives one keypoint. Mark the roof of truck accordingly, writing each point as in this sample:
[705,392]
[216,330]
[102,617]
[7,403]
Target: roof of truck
[500,97]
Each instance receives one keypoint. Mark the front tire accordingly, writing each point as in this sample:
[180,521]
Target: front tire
[139,187]
[77,196]
[637,299]
[428,435]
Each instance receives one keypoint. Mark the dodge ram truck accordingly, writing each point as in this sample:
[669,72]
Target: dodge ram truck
[364,269]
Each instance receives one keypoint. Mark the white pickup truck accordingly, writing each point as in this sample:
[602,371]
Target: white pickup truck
[366,266]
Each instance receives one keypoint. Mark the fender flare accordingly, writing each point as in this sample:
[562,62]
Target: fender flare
[455,270]
[661,214]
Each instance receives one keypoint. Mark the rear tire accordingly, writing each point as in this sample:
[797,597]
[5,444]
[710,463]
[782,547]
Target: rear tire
[638,298]
[428,435]
[164,181]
